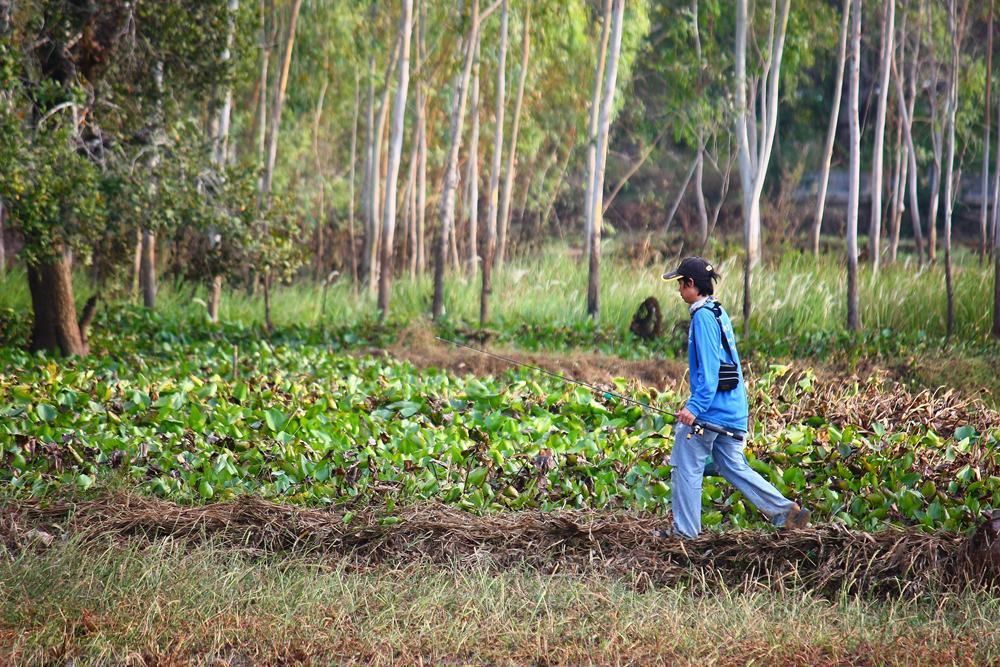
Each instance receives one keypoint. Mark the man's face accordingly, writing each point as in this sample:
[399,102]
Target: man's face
[687,290]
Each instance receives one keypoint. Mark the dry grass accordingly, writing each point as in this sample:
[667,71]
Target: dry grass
[826,558]
[133,602]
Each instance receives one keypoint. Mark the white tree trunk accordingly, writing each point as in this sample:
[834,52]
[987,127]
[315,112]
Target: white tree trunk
[279,100]
[877,183]
[421,203]
[955,31]
[508,178]
[595,110]
[373,240]
[220,151]
[906,105]
[473,177]
[395,153]
[831,130]
[493,195]
[854,189]
[603,135]
[367,213]
[353,251]
[447,203]
[984,184]
[755,147]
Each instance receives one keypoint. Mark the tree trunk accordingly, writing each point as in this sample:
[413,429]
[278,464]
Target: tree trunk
[279,100]
[55,326]
[353,252]
[319,266]
[493,196]
[366,195]
[421,193]
[508,178]
[595,110]
[221,150]
[3,245]
[265,58]
[854,190]
[755,149]
[906,104]
[955,30]
[995,227]
[373,237]
[601,155]
[395,153]
[147,269]
[984,184]
[699,194]
[831,130]
[877,182]
[473,174]
[447,203]
[898,191]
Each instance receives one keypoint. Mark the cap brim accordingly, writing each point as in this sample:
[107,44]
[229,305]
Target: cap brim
[671,275]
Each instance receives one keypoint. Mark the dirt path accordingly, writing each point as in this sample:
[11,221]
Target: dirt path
[420,348]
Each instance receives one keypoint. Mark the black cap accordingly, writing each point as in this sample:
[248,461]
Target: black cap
[695,268]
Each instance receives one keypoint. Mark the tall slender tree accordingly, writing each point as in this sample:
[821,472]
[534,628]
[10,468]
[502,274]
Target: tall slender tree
[493,194]
[831,130]
[595,111]
[603,137]
[984,239]
[755,145]
[508,178]
[395,152]
[854,188]
[877,182]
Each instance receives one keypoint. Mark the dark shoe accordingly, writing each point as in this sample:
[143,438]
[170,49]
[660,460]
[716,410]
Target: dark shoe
[797,517]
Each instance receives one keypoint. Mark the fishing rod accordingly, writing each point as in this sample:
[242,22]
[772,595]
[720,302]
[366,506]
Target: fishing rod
[698,426]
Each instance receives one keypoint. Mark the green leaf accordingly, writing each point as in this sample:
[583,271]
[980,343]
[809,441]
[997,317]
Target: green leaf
[275,419]
[46,412]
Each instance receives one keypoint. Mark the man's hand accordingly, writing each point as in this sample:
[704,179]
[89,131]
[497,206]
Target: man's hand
[686,417]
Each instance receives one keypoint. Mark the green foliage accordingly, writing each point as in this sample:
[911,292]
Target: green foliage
[49,187]
[298,420]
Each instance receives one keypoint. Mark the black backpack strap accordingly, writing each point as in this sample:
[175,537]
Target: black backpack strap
[717,311]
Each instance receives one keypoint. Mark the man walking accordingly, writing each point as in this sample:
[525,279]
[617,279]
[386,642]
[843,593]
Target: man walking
[719,399]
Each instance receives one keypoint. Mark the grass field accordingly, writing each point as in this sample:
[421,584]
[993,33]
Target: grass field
[889,426]
[121,603]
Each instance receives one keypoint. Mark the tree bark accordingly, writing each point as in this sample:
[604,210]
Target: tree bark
[831,130]
[955,24]
[3,244]
[147,269]
[493,195]
[319,267]
[366,196]
[595,110]
[55,325]
[906,107]
[854,191]
[877,182]
[421,202]
[447,203]
[279,100]
[373,234]
[353,252]
[508,178]
[473,174]
[395,153]
[984,184]
[755,149]
[601,155]
[221,150]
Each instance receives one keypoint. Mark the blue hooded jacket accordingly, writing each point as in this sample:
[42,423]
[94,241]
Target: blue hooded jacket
[705,352]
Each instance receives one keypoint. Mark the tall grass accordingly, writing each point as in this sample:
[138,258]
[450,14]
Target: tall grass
[167,603]
[793,295]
